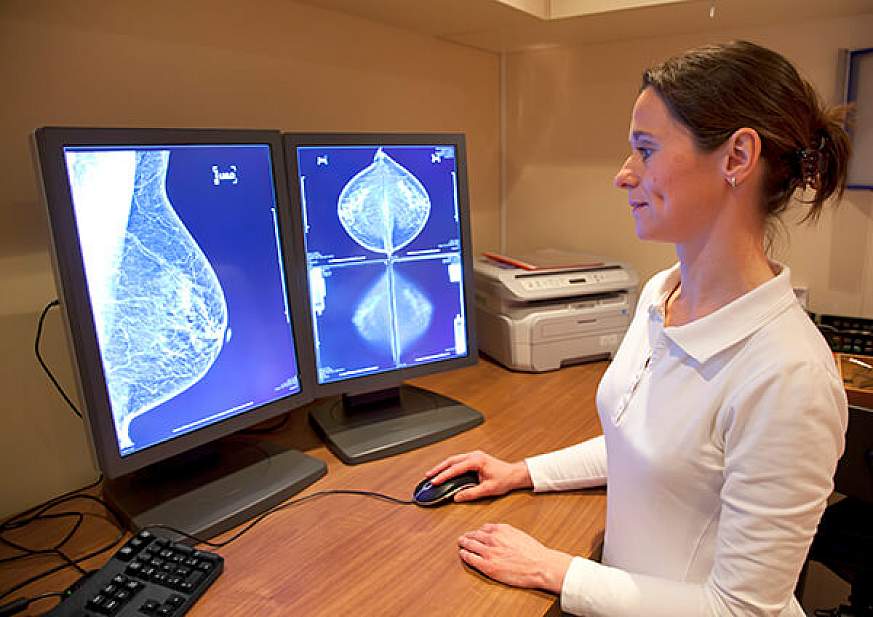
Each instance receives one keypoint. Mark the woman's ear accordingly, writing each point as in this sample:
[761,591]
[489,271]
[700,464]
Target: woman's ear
[742,153]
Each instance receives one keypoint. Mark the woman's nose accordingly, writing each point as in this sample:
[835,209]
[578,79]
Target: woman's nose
[625,178]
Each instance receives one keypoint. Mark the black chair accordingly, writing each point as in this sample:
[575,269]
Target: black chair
[844,540]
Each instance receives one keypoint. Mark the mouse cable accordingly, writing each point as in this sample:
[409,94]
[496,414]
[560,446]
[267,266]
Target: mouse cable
[283,506]
[16,606]
[40,513]
[42,363]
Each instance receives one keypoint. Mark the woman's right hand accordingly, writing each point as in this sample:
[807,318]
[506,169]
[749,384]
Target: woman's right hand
[496,477]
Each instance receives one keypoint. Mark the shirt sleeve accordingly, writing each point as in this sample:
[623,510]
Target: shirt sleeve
[782,436]
[579,466]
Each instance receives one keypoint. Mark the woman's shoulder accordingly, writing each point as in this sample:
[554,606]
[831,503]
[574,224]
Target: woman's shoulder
[792,340]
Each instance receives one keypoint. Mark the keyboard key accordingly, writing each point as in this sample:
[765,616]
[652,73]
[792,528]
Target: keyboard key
[175,600]
[173,582]
[149,607]
[111,606]
[95,602]
[133,586]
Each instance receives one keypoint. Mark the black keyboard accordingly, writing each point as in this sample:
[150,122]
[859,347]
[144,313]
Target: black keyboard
[148,576]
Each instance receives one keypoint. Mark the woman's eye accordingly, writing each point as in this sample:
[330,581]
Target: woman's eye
[645,153]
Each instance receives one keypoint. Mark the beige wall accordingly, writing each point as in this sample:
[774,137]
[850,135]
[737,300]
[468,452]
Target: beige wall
[216,63]
[567,124]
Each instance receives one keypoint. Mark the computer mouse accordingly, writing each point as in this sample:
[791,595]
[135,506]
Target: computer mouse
[427,494]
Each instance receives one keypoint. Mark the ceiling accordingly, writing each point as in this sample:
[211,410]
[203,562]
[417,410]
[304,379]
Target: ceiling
[516,25]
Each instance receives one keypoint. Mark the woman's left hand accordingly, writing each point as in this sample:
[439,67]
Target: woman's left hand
[510,556]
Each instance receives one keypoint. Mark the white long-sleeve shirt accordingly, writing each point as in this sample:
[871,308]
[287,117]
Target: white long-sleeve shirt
[721,438]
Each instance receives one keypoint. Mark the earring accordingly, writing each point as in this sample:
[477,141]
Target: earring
[732,180]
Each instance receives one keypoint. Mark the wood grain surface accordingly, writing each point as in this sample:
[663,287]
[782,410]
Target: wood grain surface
[344,555]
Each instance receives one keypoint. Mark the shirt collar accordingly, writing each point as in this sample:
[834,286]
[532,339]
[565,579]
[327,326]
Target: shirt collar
[705,337]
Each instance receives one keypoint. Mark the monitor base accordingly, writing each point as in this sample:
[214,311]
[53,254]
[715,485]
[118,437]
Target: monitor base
[379,425]
[212,489]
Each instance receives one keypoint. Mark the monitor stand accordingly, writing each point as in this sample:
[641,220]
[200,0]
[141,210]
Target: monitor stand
[379,424]
[212,489]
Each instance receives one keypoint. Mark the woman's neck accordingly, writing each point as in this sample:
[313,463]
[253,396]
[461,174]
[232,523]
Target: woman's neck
[715,274]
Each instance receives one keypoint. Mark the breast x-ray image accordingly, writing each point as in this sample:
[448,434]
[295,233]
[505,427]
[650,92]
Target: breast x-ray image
[383,252]
[180,257]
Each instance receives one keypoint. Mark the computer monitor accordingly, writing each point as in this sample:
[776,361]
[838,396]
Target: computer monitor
[384,221]
[182,298]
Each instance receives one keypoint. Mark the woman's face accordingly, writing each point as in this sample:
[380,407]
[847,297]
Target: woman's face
[673,188]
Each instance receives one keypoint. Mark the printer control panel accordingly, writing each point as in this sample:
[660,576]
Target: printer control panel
[501,283]
[563,281]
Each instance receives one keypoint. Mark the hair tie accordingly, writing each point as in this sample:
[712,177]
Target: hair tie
[811,164]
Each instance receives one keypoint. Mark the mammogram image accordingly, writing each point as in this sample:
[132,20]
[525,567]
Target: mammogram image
[383,208]
[393,313]
[159,308]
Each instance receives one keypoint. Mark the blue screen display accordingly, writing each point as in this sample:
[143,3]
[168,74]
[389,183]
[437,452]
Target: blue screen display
[383,244]
[181,251]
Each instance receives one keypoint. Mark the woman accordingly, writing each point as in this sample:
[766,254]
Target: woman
[723,414]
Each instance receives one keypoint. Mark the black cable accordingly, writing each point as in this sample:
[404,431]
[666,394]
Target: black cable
[16,606]
[42,362]
[28,516]
[283,506]
[53,550]
[40,513]
[50,571]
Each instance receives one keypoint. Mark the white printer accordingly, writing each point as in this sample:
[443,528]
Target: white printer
[541,318]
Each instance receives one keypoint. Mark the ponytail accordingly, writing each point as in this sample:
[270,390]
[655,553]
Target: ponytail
[824,169]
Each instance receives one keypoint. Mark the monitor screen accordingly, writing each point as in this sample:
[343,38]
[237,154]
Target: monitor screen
[181,290]
[383,219]
[181,254]
[382,235]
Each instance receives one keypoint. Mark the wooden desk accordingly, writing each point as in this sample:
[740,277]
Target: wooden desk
[340,555]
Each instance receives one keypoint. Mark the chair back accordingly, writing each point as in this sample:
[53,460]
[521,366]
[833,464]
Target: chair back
[854,476]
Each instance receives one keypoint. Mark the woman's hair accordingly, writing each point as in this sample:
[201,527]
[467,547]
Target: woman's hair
[716,89]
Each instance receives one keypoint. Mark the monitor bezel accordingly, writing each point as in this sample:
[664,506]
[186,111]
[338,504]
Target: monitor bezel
[68,266]
[393,377]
